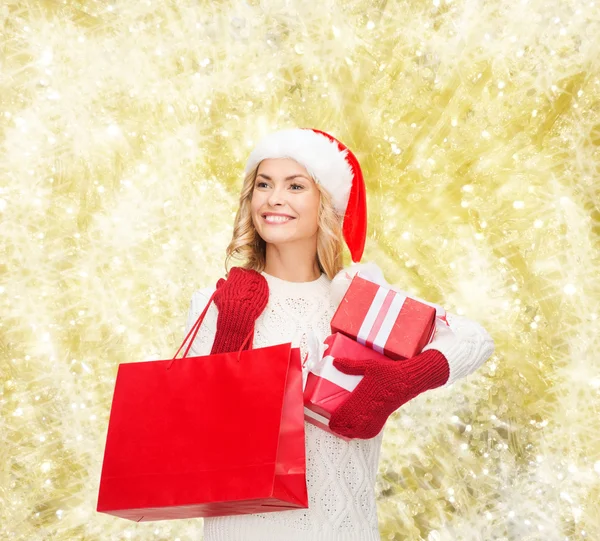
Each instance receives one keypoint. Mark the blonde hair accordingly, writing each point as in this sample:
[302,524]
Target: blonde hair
[246,243]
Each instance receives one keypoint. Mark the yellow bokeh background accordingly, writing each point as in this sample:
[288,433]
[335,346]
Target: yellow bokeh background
[124,130]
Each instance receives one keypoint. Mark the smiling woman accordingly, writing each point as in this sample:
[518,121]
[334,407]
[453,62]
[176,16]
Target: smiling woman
[285,212]
[303,194]
[323,177]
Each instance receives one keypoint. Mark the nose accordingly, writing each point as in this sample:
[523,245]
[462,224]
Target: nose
[277,196]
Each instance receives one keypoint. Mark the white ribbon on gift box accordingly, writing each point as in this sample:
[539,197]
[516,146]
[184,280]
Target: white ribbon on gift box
[390,316]
[321,365]
[325,369]
[315,349]
[375,275]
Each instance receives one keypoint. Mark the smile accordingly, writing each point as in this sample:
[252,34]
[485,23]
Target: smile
[276,219]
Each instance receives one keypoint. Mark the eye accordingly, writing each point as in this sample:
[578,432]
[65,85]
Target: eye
[259,184]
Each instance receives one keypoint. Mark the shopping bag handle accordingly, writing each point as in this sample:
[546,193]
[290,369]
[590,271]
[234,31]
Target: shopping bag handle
[194,329]
[251,337]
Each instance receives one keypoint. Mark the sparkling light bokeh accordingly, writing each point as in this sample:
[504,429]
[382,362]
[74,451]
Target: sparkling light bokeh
[124,128]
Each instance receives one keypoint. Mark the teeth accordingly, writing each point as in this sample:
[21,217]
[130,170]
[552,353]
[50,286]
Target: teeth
[277,219]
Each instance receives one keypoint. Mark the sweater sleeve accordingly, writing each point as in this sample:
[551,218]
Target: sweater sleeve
[206,334]
[465,344]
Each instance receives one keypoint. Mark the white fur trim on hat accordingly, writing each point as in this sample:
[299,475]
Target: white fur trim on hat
[321,157]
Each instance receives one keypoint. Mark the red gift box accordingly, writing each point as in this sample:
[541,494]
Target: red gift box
[326,387]
[384,320]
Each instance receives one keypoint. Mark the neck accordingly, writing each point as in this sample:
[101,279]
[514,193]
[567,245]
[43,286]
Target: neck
[290,264]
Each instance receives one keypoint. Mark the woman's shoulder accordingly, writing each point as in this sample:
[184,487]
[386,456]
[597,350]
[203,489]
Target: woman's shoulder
[205,291]
[341,281]
[201,296]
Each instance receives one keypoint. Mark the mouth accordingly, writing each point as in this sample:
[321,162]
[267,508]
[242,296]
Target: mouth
[276,220]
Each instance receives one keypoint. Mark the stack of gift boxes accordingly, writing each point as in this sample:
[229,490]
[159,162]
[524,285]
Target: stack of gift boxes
[371,322]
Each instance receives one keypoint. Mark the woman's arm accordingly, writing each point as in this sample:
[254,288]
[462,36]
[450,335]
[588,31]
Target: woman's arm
[465,344]
[458,348]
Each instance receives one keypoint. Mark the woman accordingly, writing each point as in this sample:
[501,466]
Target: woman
[302,195]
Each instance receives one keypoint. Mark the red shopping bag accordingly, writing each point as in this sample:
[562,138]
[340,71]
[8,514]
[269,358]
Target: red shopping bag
[206,436]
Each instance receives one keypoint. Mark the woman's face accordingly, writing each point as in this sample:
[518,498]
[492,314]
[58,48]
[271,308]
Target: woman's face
[285,202]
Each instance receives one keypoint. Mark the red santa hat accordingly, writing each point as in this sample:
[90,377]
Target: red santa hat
[333,166]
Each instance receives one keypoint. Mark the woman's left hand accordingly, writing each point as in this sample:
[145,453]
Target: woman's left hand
[385,387]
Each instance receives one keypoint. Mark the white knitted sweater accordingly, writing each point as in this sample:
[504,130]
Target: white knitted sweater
[340,475]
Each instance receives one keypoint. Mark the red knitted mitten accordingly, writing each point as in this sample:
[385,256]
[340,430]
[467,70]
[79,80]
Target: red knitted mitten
[386,385]
[240,300]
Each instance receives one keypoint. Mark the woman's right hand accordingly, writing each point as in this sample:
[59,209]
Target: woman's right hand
[240,299]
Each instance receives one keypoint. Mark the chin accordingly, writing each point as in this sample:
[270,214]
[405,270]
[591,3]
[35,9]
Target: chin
[276,239]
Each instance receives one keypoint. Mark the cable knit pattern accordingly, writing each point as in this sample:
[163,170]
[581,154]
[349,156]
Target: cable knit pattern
[386,385]
[239,300]
[340,475]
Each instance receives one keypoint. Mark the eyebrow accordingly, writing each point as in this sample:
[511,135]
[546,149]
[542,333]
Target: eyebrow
[291,177]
